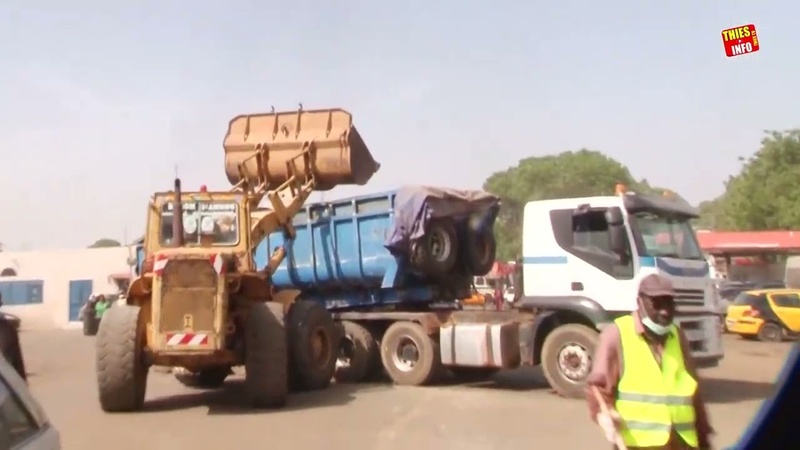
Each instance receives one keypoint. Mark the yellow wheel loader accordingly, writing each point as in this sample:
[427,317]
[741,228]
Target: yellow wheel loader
[199,304]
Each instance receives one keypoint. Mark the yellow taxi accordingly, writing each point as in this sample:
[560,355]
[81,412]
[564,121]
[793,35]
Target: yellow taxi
[765,314]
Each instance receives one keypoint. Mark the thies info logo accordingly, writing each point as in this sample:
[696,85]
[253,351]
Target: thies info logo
[740,40]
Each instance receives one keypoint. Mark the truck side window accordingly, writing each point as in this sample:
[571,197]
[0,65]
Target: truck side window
[586,235]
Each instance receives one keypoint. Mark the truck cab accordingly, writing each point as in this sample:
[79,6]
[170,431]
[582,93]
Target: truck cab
[583,259]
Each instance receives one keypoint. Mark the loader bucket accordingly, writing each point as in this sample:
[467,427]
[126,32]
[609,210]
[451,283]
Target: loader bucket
[338,154]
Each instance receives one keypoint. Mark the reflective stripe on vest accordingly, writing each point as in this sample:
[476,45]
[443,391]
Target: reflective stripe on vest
[654,400]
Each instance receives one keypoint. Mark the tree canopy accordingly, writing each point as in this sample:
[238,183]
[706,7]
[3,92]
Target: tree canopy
[581,173]
[105,242]
[765,194]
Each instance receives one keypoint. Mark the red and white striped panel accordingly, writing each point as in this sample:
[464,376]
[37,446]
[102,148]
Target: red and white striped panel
[187,339]
[219,264]
[159,263]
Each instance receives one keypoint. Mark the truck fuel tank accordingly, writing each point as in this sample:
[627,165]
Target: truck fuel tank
[339,155]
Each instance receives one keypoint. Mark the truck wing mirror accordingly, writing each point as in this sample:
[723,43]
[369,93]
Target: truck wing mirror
[614,216]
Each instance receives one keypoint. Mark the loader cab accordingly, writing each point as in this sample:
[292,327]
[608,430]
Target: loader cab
[211,223]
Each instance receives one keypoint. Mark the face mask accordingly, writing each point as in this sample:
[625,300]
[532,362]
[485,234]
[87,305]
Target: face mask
[660,330]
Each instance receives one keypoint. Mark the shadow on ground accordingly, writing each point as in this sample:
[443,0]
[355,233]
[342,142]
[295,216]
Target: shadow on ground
[231,400]
[721,390]
[524,379]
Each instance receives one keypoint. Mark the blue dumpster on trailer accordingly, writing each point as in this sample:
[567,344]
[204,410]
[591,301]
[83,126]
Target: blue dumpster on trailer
[341,253]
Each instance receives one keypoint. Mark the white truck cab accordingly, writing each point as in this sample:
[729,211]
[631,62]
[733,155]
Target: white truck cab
[583,259]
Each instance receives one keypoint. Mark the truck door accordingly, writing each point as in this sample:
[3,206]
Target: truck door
[604,274]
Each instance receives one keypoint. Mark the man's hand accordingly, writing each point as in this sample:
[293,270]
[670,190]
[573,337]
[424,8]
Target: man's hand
[610,423]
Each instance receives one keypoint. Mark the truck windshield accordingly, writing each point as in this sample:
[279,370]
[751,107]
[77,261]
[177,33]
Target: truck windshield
[204,223]
[667,236]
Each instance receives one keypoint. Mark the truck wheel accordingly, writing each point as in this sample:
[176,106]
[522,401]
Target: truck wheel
[266,357]
[121,370]
[480,252]
[409,355]
[313,343]
[210,378]
[567,358]
[473,374]
[359,356]
[436,253]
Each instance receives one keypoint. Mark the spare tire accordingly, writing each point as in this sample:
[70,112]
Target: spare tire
[480,251]
[436,253]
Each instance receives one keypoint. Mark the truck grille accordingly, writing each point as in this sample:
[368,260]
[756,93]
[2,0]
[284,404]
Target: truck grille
[689,297]
[188,287]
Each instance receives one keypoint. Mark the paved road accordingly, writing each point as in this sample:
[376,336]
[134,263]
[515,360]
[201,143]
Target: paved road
[514,412]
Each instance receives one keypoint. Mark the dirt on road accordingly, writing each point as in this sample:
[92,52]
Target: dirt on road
[514,411]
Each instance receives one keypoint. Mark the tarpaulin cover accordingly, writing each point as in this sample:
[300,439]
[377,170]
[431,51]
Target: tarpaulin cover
[415,206]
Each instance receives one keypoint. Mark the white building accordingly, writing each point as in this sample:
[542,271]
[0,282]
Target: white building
[46,289]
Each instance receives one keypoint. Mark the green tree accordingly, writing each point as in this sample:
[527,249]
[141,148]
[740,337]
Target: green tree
[579,173]
[765,195]
[712,215]
[103,243]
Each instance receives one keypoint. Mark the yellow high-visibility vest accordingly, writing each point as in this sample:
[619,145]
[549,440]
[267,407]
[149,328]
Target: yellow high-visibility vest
[653,400]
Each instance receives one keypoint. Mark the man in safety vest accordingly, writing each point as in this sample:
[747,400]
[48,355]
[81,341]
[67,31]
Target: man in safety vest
[643,370]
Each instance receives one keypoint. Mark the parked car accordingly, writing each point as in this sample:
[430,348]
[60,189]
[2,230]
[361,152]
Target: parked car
[25,426]
[767,314]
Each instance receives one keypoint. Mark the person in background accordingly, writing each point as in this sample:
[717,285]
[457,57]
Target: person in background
[498,296]
[100,306]
[643,372]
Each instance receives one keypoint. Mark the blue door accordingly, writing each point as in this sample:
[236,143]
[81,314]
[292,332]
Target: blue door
[79,292]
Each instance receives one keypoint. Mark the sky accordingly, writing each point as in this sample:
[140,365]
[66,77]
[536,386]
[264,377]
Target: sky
[99,101]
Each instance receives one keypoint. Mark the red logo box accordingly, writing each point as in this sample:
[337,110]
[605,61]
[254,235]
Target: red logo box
[740,40]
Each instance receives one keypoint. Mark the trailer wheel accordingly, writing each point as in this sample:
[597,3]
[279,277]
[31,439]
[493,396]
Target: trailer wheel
[436,252]
[314,343]
[209,378]
[409,355]
[359,357]
[121,369]
[266,356]
[567,358]
[480,252]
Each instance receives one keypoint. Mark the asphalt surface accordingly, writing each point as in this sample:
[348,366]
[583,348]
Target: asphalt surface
[515,411]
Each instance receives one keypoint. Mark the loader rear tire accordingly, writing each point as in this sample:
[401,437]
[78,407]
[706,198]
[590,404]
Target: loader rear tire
[121,369]
[410,356]
[266,356]
[359,355]
[313,345]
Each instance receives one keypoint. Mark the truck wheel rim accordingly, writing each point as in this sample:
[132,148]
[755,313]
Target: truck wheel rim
[346,352]
[574,362]
[406,355]
[319,346]
[440,245]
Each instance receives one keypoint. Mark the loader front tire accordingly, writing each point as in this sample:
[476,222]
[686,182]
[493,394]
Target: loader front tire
[314,345]
[266,356]
[121,369]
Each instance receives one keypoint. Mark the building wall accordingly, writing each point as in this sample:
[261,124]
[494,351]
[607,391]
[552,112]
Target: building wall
[55,269]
